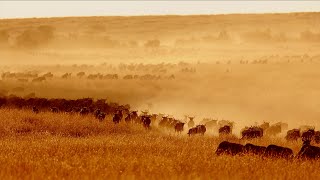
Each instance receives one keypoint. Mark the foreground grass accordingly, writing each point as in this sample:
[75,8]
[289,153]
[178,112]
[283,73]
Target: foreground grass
[54,148]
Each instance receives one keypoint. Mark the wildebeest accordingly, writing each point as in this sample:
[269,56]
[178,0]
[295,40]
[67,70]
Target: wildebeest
[66,75]
[179,127]
[265,125]
[54,109]
[308,151]
[101,116]
[211,124]
[163,123]
[116,118]
[132,117]
[228,148]
[191,122]
[273,130]
[81,74]
[146,121]
[199,129]
[35,109]
[252,132]
[317,137]
[38,79]
[308,135]
[84,111]
[278,152]
[48,75]
[225,130]
[254,149]
[222,123]
[119,112]
[98,114]
[128,118]
[293,135]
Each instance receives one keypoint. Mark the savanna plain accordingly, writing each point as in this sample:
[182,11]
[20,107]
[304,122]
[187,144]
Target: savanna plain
[242,68]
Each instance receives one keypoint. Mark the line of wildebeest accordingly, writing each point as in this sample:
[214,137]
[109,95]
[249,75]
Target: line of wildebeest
[100,109]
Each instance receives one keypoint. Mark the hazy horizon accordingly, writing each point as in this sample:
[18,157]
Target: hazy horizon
[37,9]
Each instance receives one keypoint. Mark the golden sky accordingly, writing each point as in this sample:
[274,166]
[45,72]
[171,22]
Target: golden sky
[23,9]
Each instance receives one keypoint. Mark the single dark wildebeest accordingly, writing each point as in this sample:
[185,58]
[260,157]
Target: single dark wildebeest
[293,135]
[54,109]
[308,135]
[317,137]
[199,129]
[35,109]
[308,151]
[278,152]
[146,121]
[101,116]
[84,111]
[179,127]
[252,132]
[228,148]
[116,118]
[225,130]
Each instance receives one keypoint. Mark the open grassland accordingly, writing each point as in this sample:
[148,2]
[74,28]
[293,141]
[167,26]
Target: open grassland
[59,146]
[245,68]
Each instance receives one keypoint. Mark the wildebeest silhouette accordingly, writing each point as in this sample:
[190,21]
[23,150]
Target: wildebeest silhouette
[199,129]
[38,79]
[308,135]
[54,109]
[66,75]
[146,121]
[308,151]
[101,116]
[48,75]
[278,152]
[179,127]
[293,135]
[98,114]
[317,137]
[81,74]
[229,148]
[273,130]
[252,132]
[225,130]
[116,118]
[35,109]
[84,111]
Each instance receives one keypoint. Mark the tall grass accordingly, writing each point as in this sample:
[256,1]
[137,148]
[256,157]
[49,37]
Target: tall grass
[56,146]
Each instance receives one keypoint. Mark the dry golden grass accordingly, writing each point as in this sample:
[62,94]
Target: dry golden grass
[73,147]
[56,146]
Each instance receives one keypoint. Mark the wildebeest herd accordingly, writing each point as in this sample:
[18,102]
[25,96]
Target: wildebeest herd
[100,109]
[307,151]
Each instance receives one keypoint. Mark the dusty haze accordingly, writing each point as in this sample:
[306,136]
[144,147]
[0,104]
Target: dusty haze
[247,68]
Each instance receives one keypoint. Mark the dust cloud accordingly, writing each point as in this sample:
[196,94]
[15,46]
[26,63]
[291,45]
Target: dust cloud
[245,68]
